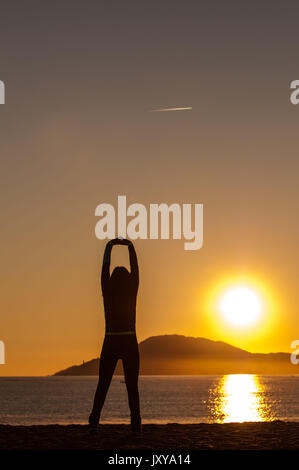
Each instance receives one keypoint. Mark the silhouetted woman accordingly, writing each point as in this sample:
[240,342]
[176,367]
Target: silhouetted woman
[119,293]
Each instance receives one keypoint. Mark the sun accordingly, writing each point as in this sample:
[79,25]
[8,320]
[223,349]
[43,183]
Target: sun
[240,305]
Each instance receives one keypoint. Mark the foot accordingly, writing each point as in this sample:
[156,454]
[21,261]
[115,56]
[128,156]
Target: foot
[136,427]
[93,424]
[93,429]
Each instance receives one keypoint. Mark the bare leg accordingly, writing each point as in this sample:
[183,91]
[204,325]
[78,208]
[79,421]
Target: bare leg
[107,367]
[131,371]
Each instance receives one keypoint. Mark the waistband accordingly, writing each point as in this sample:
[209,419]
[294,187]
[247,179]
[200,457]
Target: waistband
[120,333]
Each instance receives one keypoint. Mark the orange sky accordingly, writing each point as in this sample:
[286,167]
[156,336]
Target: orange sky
[76,132]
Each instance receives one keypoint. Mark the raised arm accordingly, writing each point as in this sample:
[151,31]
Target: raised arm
[107,259]
[105,276]
[133,263]
[132,256]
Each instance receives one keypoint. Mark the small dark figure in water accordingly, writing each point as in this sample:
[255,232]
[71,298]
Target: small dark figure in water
[119,292]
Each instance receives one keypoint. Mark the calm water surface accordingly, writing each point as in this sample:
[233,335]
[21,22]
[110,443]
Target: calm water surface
[187,399]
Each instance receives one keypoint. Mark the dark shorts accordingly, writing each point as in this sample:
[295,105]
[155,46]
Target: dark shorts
[120,346]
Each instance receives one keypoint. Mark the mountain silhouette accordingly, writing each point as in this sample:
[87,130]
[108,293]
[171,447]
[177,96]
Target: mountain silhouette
[183,355]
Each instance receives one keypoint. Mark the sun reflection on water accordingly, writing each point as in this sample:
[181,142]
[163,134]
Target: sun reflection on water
[238,398]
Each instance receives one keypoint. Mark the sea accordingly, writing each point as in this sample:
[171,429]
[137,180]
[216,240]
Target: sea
[164,399]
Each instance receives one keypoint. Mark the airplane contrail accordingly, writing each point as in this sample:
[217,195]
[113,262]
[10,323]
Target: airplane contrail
[160,110]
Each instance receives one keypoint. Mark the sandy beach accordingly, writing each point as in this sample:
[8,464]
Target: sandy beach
[238,436]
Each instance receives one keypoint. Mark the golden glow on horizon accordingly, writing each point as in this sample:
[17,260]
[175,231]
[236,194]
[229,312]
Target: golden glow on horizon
[220,311]
[240,306]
